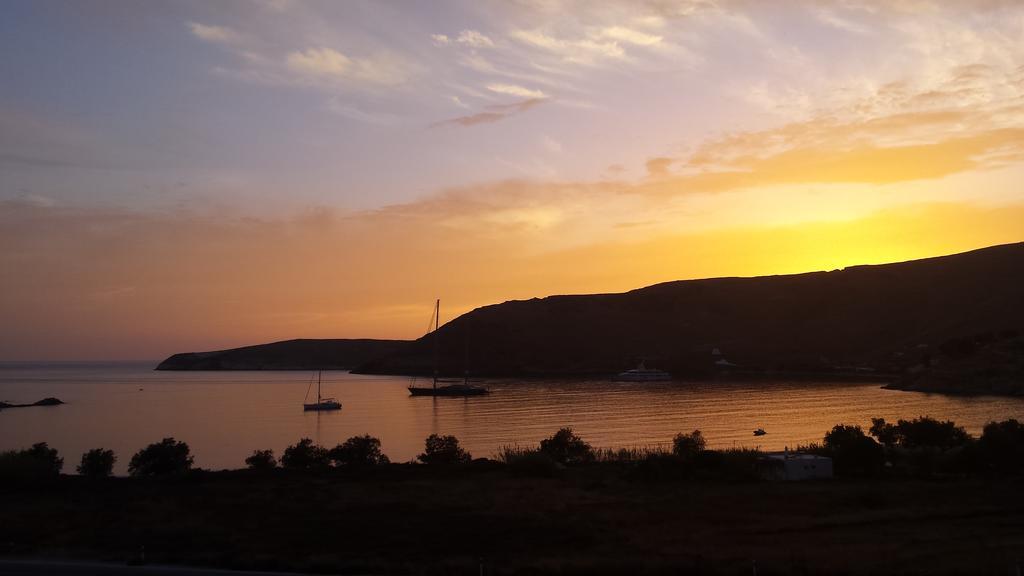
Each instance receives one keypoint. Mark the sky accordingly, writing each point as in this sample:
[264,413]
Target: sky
[184,176]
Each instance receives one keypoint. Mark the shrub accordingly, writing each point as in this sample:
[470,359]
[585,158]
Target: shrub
[305,456]
[688,446]
[631,455]
[886,433]
[358,451]
[565,447]
[923,432]
[36,463]
[852,452]
[443,450]
[531,463]
[164,458]
[1001,446]
[661,467]
[261,460]
[97,463]
[733,464]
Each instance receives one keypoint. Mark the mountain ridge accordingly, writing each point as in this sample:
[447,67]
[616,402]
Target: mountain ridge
[295,354]
[880,321]
[872,318]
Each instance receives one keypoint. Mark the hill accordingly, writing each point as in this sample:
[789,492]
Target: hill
[332,354]
[860,320]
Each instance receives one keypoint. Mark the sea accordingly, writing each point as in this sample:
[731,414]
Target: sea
[225,416]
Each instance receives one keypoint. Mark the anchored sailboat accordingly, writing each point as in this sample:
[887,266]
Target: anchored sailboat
[441,386]
[321,403]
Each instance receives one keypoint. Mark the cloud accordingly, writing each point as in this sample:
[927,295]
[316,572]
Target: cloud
[471,38]
[493,113]
[326,65]
[475,39]
[834,20]
[658,167]
[515,90]
[551,145]
[319,62]
[318,65]
[36,200]
[214,34]
[351,112]
[586,51]
[629,36]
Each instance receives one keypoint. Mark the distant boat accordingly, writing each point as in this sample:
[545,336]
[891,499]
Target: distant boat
[643,374]
[759,432]
[445,387]
[321,403]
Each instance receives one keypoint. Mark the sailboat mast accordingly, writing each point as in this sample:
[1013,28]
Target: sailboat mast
[437,324]
[319,373]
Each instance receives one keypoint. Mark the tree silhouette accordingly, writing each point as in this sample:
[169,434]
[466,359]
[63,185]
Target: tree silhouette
[164,458]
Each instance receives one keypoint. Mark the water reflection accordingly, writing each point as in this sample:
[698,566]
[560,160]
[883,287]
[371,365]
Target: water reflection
[225,415]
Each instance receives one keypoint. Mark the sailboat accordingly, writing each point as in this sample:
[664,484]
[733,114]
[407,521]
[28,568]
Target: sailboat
[321,402]
[441,386]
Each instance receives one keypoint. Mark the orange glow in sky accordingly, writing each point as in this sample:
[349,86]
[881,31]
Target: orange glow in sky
[293,170]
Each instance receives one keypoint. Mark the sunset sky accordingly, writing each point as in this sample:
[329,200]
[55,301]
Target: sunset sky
[179,176]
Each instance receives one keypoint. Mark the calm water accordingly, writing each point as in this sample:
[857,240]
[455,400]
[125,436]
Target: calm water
[225,415]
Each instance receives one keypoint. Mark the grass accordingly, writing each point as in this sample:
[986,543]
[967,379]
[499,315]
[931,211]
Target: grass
[596,519]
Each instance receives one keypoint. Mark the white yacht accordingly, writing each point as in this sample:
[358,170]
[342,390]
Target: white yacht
[643,374]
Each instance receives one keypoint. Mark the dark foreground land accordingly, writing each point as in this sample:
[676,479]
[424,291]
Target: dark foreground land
[601,519]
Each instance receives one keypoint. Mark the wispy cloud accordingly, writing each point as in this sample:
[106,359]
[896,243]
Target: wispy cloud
[493,113]
[470,38]
[214,34]
[587,51]
[515,90]
[319,62]
[341,108]
[475,39]
[630,36]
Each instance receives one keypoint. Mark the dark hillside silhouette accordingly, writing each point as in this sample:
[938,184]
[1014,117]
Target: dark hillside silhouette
[333,354]
[862,320]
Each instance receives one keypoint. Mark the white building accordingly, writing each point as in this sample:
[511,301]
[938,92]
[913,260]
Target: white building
[794,466]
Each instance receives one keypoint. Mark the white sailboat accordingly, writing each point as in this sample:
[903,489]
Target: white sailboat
[321,402]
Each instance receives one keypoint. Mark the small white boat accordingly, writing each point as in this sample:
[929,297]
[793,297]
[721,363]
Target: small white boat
[643,374]
[321,403]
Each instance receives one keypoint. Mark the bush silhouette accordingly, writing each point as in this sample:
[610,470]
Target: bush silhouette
[358,451]
[39,462]
[261,460]
[305,456]
[527,462]
[97,463]
[688,446]
[852,452]
[886,433]
[565,447]
[443,450]
[923,432]
[164,458]
[1001,445]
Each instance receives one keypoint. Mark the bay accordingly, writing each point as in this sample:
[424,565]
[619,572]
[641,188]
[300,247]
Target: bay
[224,416]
